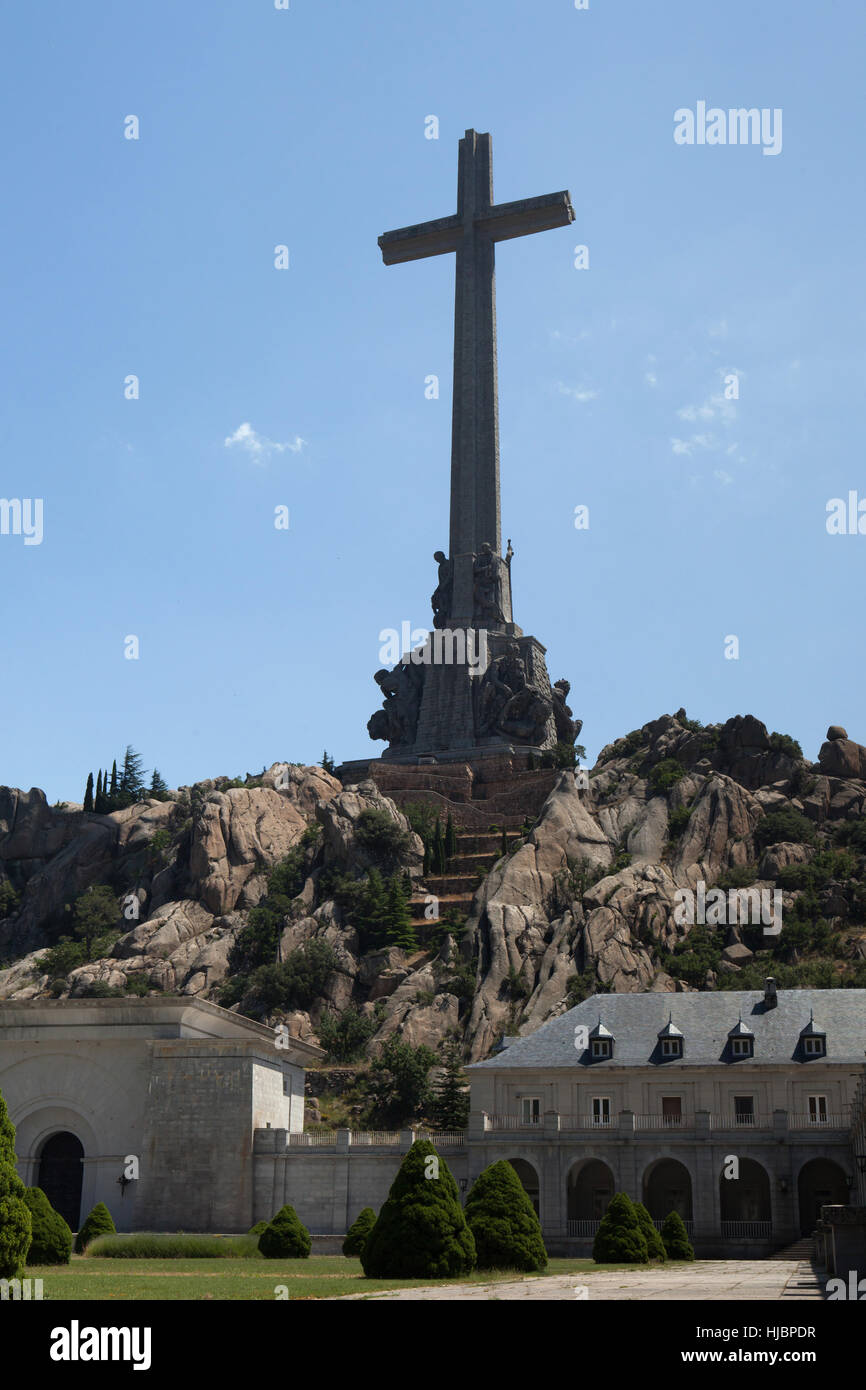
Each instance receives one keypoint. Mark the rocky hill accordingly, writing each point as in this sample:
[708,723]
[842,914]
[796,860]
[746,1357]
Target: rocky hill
[287,897]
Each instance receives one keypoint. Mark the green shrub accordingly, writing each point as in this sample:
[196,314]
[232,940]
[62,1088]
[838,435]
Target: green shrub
[678,820]
[784,825]
[853,833]
[741,876]
[421,1232]
[358,1233]
[503,1222]
[15,1219]
[619,1239]
[380,836]
[257,1229]
[783,743]
[98,1223]
[9,900]
[654,1243]
[344,1037]
[52,1238]
[166,1245]
[285,1238]
[665,775]
[63,957]
[675,1239]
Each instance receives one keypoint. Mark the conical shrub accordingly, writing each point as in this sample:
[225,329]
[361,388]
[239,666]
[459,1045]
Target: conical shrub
[15,1219]
[675,1237]
[358,1232]
[286,1237]
[421,1232]
[98,1223]
[654,1243]
[619,1239]
[503,1222]
[52,1238]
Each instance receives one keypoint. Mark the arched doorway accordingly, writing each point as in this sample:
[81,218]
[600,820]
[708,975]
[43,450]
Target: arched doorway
[821,1184]
[529,1180]
[588,1191]
[60,1174]
[745,1205]
[667,1187]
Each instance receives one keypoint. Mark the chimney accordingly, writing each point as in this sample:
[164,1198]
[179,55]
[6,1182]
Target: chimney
[770,996]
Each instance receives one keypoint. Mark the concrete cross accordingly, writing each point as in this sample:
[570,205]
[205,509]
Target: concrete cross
[471,233]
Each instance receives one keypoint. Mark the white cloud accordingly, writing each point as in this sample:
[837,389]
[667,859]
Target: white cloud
[258,446]
[688,446]
[577,393]
[650,378]
[722,476]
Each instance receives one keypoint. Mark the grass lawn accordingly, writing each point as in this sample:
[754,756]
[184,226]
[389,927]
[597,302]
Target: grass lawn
[321,1276]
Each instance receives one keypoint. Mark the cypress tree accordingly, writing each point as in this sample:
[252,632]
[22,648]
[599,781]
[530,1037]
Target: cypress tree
[400,930]
[504,846]
[99,799]
[88,793]
[438,855]
[421,1232]
[372,917]
[450,838]
[112,794]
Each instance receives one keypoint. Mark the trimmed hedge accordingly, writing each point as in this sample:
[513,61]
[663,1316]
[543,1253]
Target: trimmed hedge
[421,1232]
[619,1239]
[285,1238]
[98,1223]
[180,1245]
[654,1243]
[52,1238]
[358,1232]
[503,1222]
[675,1237]
[15,1220]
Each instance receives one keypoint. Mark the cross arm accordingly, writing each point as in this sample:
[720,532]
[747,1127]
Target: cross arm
[506,220]
[424,239]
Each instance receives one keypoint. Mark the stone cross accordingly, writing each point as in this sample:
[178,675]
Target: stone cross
[472,232]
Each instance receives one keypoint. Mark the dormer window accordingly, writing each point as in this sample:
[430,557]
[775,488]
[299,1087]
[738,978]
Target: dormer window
[601,1042]
[741,1041]
[813,1041]
[671,1040]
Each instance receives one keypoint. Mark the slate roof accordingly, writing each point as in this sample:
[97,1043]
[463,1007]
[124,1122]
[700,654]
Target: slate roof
[706,1020]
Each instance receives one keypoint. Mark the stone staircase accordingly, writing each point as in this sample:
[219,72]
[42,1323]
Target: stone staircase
[476,854]
[801,1250]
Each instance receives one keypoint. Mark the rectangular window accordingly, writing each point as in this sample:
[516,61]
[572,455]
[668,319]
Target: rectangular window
[600,1047]
[670,1047]
[741,1047]
[813,1047]
[530,1110]
[744,1110]
[601,1110]
[818,1110]
[672,1110]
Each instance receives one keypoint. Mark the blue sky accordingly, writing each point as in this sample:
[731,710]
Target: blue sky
[305,127]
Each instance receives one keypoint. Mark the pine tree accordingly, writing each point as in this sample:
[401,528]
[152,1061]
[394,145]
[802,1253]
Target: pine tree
[399,930]
[371,917]
[158,788]
[131,784]
[112,794]
[450,838]
[328,764]
[88,793]
[451,1102]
